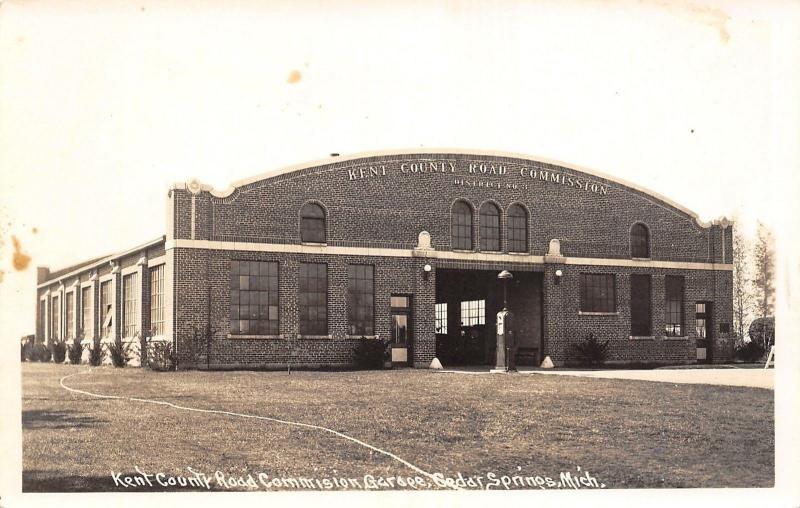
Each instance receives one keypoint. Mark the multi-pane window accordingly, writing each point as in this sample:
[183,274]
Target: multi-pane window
[441,318]
[254,298]
[360,299]
[313,298]
[43,316]
[312,223]
[69,311]
[640,241]
[673,286]
[106,310]
[598,292]
[157,300]
[130,295]
[87,327]
[641,317]
[490,227]
[473,312]
[517,229]
[55,315]
[461,226]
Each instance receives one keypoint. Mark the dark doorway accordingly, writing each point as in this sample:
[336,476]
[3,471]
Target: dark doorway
[704,330]
[467,303]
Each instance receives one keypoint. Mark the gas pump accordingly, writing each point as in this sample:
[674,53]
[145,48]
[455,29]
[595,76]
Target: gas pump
[506,355]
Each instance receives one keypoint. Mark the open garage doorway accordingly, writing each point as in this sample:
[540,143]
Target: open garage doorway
[467,303]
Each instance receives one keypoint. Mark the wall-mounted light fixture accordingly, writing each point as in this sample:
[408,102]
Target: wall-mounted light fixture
[559,274]
[426,271]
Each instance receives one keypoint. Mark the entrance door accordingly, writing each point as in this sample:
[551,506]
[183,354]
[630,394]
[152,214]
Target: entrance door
[400,329]
[704,330]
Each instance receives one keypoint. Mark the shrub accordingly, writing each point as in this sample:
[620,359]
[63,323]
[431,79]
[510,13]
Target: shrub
[369,353]
[160,355]
[590,351]
[118,352]
[751,351]
[44,353]
[96,354]
[59,351]
[75,351]
[32,352]
[762,331]
[22,352]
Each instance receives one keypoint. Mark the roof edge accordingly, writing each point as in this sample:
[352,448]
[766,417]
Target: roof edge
[195,186]
[100,261]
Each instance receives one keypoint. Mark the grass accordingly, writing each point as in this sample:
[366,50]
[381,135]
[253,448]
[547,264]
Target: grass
[625,433]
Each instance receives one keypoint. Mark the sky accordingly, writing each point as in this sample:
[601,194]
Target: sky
[103,105]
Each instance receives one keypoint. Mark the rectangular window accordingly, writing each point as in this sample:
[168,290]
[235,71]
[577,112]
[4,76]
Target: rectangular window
[441,318]
[254,298]
[640,306]
[43,317]
[69,311]
[106,310]
[130,295]
[313,298]
[598,292]
[473,313]
[673,286]
[157,300]
[55,314]
[360,299]
[87,328]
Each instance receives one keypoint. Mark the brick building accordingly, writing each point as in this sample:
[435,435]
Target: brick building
[298,265]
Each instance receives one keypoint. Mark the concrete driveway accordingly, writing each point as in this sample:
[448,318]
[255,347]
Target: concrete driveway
[754,378]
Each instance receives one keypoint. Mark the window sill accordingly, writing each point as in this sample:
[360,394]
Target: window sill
[371,337]
[644,337]
[515,253]
[641,259]
[265,337]
[588,313]
[466,251]
[315,337]
[315,244]
[669,337]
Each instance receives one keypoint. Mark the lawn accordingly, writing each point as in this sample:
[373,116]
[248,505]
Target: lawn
[624,433]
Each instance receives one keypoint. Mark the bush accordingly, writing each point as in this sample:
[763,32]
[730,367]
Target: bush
[32,352]
[590,352]
[75,352]
[369,353]
[96,354]
[44,353]
[22,352]
[160,355]
[59,351]
[762,331]
[119,353]
[751,351]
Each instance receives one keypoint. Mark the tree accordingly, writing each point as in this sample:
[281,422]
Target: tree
[764,272]
[742,288]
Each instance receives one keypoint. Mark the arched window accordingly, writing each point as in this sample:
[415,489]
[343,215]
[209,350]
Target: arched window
[517,229]
[490,227]
[312,223]
[461,226]
[640,241]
